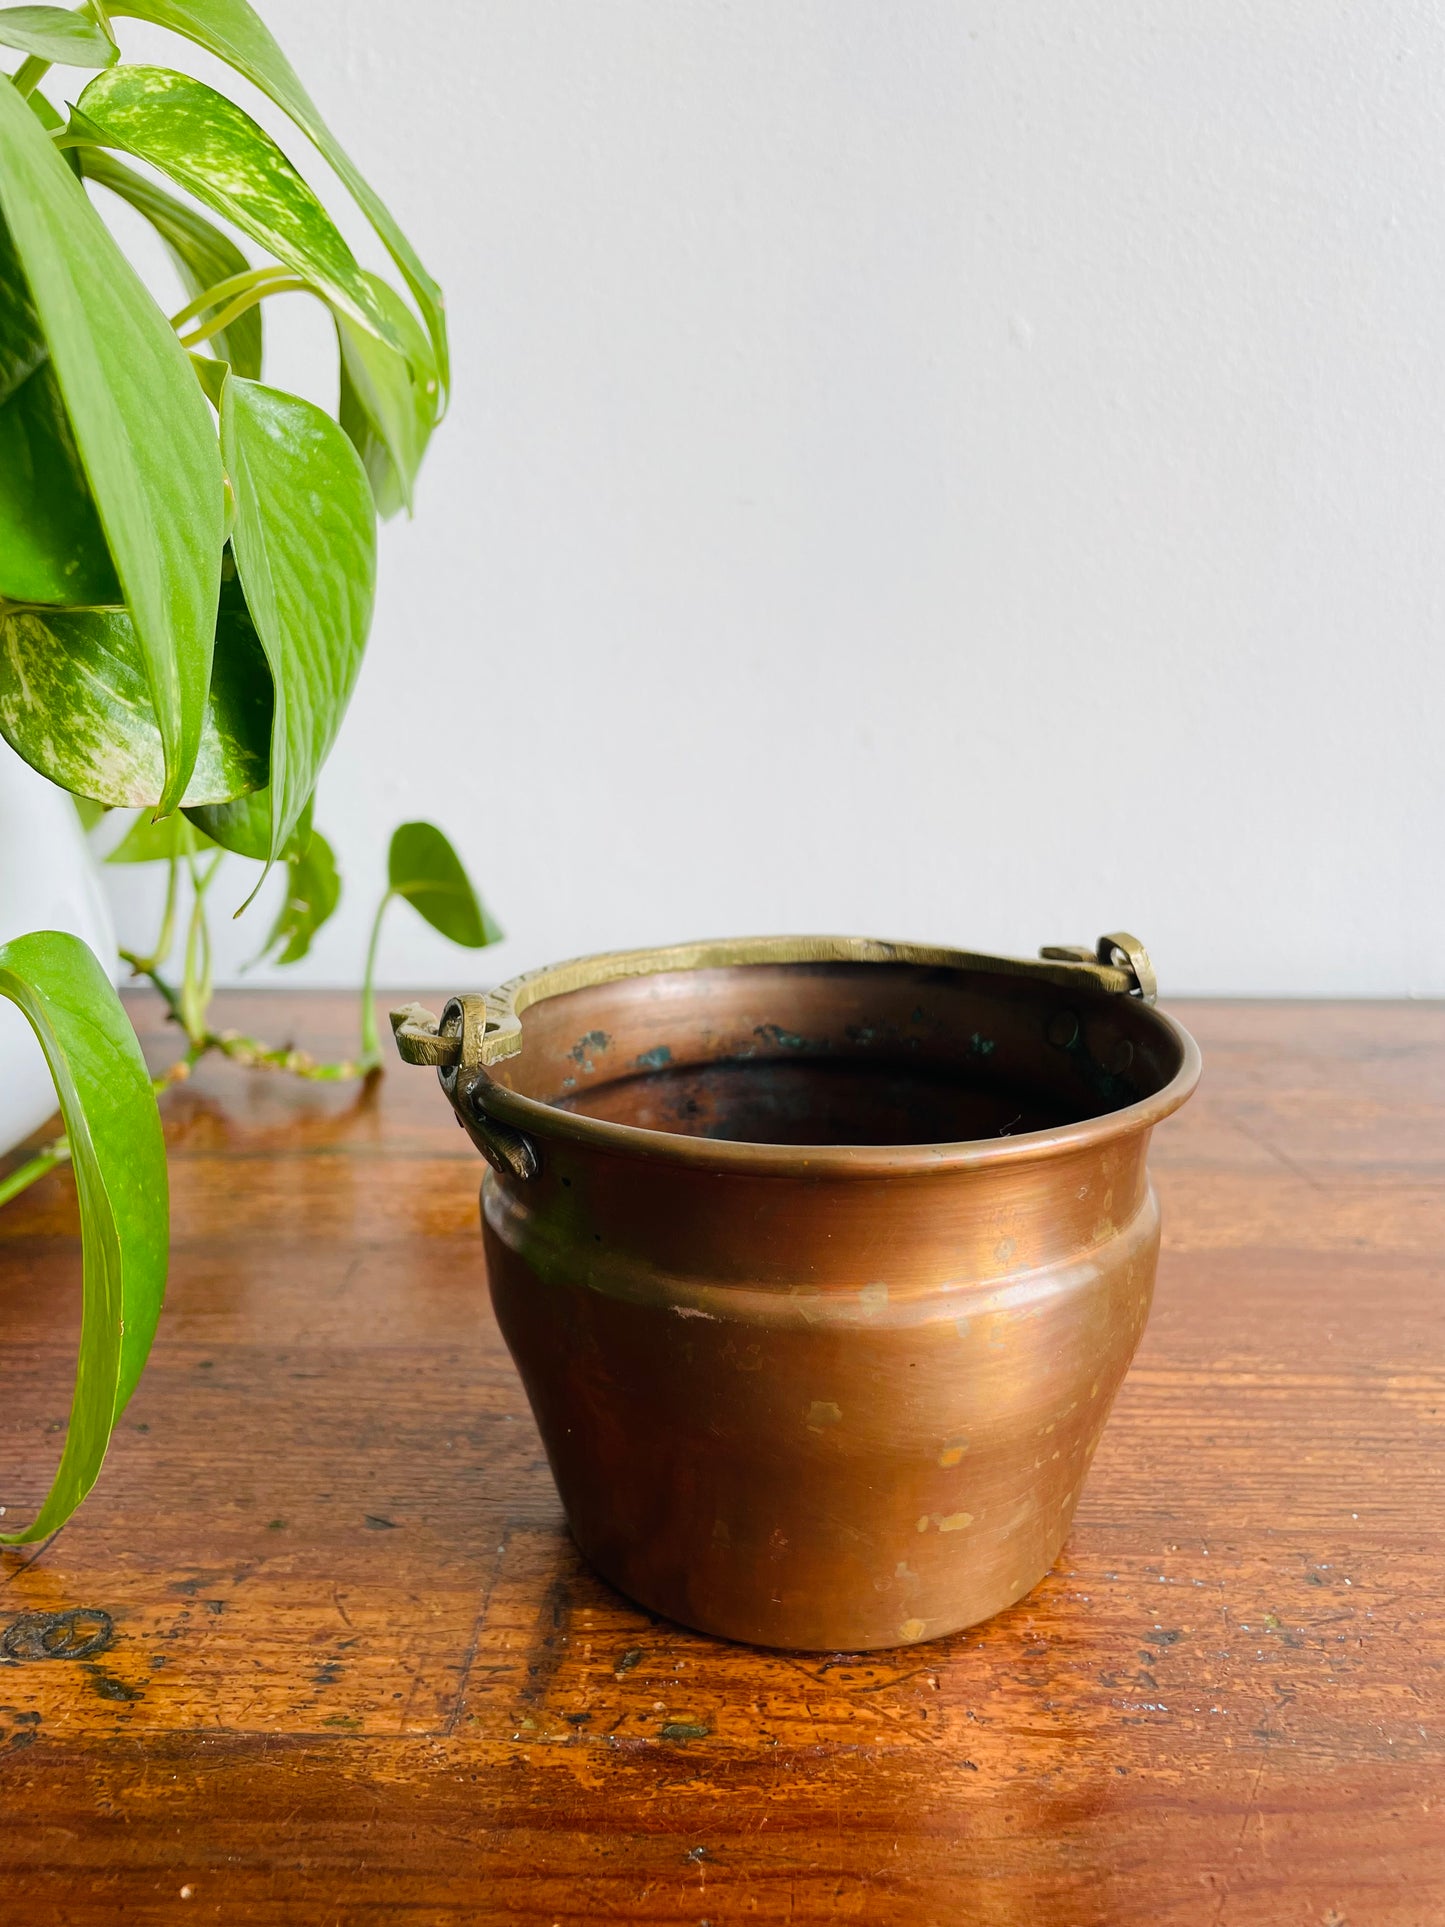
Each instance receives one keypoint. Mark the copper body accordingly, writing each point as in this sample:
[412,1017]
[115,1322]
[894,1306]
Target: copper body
[826,1277]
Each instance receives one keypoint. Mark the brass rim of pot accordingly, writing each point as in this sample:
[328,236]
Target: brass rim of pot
[489,1029]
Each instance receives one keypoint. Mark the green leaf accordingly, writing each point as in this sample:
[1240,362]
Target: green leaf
[215,150]
[51,545]
[202,254]
[118,1154]
[149,841]
[305,548]
[140,421]
[233,31]
[387,399]
[313,890]
[211,374]
[424,868]
[244,825]
[52,548]
[74,704]
[89,811]
[53,33]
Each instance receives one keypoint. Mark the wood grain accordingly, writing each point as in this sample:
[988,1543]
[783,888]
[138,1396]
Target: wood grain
[356,1673]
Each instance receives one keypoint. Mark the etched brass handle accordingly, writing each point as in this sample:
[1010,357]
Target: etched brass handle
[450,1043]
[417,1031]
[1120,951]
[476,1031]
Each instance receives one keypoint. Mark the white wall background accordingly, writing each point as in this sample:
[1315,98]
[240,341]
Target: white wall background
[971,470]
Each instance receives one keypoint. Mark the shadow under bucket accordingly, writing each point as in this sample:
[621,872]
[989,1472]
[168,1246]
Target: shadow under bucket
[821,1260]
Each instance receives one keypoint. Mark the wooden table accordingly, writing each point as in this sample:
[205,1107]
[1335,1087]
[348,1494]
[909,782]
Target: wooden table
[357,1674]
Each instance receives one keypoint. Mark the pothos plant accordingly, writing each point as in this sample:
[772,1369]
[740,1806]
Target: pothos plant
[187,561]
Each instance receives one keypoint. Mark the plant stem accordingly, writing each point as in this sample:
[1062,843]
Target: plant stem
[178,1072]
[251,1052]
[219,323]
[167,933]
[161,949]
[24,1175]
[189,1006]
[370,1042]
[27,77]
[146,967]
[195,999]
[240,1048]
[224,291]
[12,608]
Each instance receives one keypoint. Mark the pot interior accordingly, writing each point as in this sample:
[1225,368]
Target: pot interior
[841,1053]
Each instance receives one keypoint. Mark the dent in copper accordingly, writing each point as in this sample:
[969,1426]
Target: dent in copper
[826,1279]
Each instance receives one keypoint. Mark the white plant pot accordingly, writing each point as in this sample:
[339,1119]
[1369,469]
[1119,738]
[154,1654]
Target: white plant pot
[48,881]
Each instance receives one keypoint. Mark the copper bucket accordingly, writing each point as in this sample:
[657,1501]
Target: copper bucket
[821,1260]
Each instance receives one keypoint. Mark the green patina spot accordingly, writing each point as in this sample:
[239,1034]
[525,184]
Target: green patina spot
[787,1039]
[656,1059]
[685,1730]
[581,1051]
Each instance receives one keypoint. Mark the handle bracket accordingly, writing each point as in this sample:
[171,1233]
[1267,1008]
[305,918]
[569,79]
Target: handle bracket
[451,1044]
[1118,951]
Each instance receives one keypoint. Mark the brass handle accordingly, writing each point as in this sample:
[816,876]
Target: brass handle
[1120,951]
[451,1044]
[475,1031]
[456,1037]
[509,1151]
[417,1031]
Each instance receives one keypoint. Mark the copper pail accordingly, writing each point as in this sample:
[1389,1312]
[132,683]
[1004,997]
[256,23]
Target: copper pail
[821,1260]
